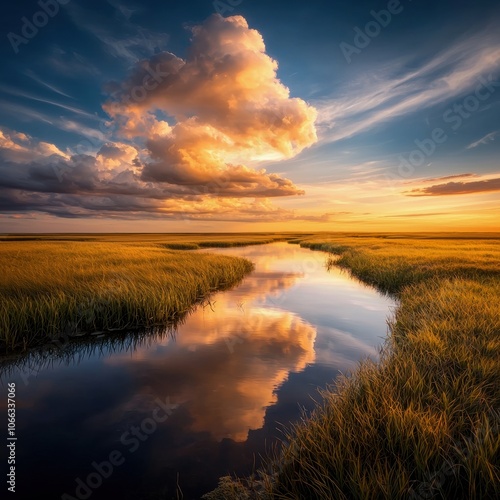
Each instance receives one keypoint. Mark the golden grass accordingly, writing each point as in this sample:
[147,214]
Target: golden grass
[203,239]
[393,263]
[66,284]
[421,423]
[51,288]
[424,421]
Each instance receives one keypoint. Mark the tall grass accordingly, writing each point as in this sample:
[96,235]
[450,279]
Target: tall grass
[67,284]
[150,238]
[424,421]
[49,289]
[218,243]
[392,264]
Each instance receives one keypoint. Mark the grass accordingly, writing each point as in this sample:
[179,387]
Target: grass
[392,264]
[421,423]
[53,288]
[200,239]
[424,421]
[70,284]
[222,243]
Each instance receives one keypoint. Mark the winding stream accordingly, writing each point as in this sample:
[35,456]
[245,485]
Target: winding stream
[172,412]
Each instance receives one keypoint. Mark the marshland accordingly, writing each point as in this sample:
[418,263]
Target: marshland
[423,422]
[274,349]
[74,285]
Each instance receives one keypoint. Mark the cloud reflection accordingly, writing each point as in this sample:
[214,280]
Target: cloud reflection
[228,359]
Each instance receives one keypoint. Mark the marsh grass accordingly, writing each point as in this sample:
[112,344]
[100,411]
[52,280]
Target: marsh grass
[424,421]
[218,243]
[49,289]
[69,284]
[391,264]
[168,238]
[180,246]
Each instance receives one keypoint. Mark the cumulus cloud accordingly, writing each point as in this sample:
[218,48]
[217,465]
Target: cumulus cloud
[225,107]
[21,148]
[118,157]
[188,136]
[38,177]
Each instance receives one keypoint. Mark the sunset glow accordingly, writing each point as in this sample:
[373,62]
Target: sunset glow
[228,123]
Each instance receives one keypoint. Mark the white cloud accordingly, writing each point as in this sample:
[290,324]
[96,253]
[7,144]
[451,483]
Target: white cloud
[381,97]
[485,140]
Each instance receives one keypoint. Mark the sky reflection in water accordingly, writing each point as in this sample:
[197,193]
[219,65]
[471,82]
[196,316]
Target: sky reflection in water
[237,369]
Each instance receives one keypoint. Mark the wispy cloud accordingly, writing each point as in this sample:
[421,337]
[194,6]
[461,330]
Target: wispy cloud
[11,91]
[485,140]
[135,42]
[125,10]
[389,94]
[37,79]
[71,64]
[403,216]
[25,113]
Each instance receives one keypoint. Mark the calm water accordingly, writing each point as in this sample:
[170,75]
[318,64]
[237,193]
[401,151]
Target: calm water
[175,412]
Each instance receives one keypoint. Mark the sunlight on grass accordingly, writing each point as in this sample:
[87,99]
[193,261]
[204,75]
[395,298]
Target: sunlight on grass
[424,421]
[48,289]
[66,284]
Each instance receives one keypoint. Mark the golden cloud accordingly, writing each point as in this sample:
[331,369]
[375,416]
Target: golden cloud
[188,137]
[226,107]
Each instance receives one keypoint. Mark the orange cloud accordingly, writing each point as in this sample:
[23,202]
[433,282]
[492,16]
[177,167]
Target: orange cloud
[38,177]
[227,107]
[187,138]
[445,178]
[454,188]
[117,157]
[19,148]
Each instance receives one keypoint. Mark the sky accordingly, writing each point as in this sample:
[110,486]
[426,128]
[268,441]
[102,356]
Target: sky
[249,115]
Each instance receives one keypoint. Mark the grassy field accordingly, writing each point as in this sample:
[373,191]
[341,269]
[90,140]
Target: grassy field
[423,422]
[59,285]
[182,240]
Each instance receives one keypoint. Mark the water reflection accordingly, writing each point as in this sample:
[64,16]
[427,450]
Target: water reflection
[236,368]
[225,381]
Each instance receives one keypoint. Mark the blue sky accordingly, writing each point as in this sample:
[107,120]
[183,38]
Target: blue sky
[405,132]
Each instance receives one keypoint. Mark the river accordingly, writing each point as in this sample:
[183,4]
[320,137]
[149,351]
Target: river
[148,417]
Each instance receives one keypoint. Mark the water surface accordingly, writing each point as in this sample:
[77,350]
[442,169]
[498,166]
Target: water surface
[176,411]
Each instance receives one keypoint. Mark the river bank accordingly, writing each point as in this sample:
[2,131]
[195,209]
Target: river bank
[424,420]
